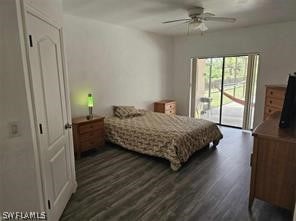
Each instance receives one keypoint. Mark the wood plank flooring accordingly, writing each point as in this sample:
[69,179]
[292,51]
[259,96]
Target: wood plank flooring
[116,184]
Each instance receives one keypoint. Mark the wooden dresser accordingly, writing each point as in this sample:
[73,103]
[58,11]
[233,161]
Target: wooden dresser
[273,162]
[274,99]
[165,106]
[88,134]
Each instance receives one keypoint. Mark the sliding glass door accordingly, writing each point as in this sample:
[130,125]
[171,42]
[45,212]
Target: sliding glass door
[234,90]
[208,89]
[223,90]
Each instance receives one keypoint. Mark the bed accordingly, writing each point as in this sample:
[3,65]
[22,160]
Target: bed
[172,137]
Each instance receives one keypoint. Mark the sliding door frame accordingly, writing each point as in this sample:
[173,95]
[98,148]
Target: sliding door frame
[222,90]
[193,77]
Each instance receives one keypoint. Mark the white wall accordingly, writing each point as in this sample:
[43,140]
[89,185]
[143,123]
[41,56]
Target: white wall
[276,44]
[18,187]
[118,65]
[51,8]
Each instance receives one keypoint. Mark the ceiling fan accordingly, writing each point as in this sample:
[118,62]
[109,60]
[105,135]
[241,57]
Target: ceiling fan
[197,17]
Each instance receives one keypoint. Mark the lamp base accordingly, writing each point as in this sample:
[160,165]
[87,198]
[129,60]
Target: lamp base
[90,114]
[89,117]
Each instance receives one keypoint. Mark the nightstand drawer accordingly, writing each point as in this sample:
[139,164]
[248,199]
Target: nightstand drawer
[91,127]
[170,111]
[92,143]
[170,106]
[88,133]
[165,106]
[92,135]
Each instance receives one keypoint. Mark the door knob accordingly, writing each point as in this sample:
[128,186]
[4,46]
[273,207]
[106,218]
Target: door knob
[68,126]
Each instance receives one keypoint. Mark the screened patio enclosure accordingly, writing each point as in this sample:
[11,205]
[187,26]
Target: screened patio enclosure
[224,90]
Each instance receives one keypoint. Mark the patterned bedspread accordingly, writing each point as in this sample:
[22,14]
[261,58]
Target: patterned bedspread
[174,138]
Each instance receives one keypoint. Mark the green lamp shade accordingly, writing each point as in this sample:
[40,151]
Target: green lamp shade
[90,100]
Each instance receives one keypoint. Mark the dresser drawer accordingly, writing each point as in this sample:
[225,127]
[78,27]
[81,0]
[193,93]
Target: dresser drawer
[92,135]
[91,127]
[273,102]
[275,93]
[274,99]
[269,111]
[92,143]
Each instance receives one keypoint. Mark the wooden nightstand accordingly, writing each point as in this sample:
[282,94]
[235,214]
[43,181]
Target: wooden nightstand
[165,106]
[88,134]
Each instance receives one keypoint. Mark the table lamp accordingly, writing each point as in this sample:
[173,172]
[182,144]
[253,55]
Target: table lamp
[90,104]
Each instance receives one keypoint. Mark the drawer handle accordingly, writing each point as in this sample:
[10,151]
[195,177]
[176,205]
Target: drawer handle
[271,92]
[269,110]
[270,102]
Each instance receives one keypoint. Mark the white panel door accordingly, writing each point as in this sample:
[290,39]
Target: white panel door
[47,72]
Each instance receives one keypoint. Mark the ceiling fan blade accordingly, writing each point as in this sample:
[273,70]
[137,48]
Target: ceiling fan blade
[207,14]
[188,21]
[178,20]
[220,19]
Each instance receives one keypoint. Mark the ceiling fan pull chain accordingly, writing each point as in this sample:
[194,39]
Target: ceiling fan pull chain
[188,29]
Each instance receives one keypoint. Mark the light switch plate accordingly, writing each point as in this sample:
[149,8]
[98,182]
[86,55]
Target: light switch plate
[14,129]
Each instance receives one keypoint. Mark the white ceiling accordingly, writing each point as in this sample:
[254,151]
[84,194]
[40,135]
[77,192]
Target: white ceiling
[147,15]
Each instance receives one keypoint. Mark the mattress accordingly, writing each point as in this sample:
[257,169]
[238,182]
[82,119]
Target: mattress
[172,137]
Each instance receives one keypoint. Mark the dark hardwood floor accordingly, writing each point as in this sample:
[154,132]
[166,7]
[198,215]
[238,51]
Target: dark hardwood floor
[116,184]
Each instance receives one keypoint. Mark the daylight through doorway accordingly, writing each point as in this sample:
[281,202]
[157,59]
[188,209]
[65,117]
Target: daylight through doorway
[223,89]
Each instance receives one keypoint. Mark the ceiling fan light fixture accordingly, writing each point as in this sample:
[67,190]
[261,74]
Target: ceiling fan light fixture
[196,18]
[198,25]
[195,25]
[203,27]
